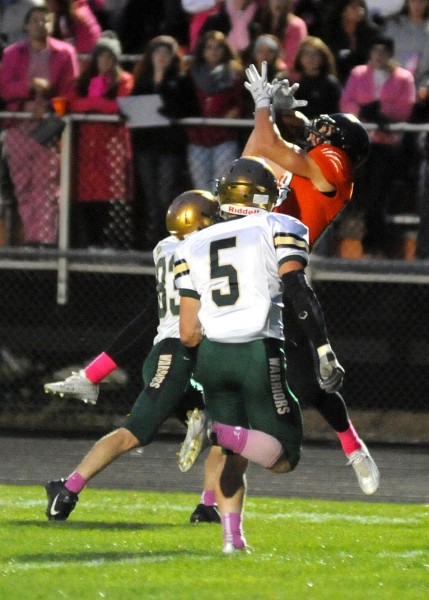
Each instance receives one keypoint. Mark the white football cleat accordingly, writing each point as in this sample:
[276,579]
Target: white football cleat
[229,548]
[366,470]
[196,439]
[76,386]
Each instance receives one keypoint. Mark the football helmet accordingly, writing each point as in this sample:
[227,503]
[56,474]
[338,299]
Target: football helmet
[344,131]
[248,186]
[191,211]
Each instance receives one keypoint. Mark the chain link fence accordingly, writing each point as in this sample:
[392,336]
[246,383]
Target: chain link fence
[43,341]
[376,323]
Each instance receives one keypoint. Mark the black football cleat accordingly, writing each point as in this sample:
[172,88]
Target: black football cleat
[205,514]
[60,500]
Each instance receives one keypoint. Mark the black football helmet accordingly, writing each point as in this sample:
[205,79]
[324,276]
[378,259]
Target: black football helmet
[248,186]
[344,131]
[191,211]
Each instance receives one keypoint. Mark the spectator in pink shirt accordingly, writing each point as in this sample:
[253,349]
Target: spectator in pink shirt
[33,72]
[241,14]
[379,92]
[278,19]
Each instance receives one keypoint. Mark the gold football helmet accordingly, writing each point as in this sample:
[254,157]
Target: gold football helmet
[248,186]
[191,211]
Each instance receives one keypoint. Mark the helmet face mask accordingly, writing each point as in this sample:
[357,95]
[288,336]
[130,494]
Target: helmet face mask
[341,130]
[323,128]
[249,186]
[192,211]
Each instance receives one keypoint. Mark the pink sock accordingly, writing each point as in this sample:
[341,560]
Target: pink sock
[232,532]
[208,498]
[349,440]
[257,446]
[100,368]
[231,437]
[75,482]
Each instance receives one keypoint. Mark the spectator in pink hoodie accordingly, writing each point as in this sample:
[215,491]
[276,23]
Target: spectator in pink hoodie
[33,72]
[379,92]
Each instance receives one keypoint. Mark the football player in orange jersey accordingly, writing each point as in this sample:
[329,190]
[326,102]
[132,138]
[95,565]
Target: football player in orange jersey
[317,183]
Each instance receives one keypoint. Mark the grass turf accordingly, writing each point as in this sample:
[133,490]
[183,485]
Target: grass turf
[125,544]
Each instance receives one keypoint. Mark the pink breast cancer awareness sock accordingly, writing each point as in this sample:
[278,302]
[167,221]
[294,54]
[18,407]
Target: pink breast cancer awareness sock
[257,446]
[349,439]
[100,368]
[75,482]
[232,531]
[208,498]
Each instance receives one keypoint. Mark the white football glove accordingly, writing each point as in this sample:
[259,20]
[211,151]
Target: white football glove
[284,95]
[258,86]
[331,373]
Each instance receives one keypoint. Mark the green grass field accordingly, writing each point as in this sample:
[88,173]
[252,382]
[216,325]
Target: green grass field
[124,544]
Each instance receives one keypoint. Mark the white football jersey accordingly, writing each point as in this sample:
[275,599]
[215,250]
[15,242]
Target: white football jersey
[232,267]
[168,296]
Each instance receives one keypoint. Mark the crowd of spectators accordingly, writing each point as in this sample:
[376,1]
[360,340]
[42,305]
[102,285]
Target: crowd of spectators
[368,58]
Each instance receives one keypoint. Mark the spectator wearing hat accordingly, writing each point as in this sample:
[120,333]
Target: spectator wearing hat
[102,173]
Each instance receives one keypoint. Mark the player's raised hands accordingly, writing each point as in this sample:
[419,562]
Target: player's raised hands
[283,95]
[258,85]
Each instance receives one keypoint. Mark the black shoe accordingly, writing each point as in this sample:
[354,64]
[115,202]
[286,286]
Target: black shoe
[60,500]
[205,514]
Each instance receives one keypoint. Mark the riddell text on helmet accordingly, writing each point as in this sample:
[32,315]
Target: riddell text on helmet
[240,210]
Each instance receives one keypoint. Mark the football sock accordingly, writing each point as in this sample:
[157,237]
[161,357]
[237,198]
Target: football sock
[232,531]
[208,498]
[75,482]
[349,439]
[256,446]
[100,368]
